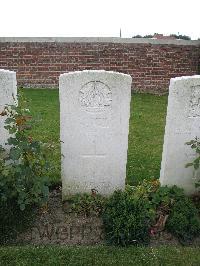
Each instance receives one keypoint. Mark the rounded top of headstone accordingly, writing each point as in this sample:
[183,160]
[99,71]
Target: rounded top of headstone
[96,72]
[7,73]
[185,78]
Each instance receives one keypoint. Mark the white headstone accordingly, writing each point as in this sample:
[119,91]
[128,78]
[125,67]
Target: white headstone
[8,95]
[95,109]
[182,125]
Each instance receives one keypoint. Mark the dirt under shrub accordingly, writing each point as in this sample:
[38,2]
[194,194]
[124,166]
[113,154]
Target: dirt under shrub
[55,225]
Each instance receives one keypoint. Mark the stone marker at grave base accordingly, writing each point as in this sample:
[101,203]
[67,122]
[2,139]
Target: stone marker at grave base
[95,110]
[57,226]
[182,125]
[8,95]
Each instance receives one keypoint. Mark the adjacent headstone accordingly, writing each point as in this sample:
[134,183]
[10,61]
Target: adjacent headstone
[95,109]
[8,95]
[182,125]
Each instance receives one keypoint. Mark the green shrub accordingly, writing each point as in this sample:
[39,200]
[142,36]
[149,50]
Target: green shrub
[130,216]
[195,145]
[86,204]
[184,221]
[127,219]
[24,170]
[14,221]
[166,196]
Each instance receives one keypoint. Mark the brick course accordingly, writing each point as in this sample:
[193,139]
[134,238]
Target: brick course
[39,64]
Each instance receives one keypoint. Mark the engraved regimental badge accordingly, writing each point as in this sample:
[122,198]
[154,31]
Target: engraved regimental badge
[95,96]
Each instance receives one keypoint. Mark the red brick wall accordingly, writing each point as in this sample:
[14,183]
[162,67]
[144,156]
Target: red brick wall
[39,64]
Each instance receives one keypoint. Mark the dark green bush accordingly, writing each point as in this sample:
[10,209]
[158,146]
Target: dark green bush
[166,196]
[131,215]
[14,221]
[127,219]
[24,170]
[184,220]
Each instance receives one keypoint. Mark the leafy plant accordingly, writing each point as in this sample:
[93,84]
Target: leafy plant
[195,145]
[162,201]
[184,221]
[127,218]
[24,170]
[166,196]
[86,204]
[144,188]
[14,221]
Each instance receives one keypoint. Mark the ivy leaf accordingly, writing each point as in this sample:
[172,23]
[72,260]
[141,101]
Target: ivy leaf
[12,141]
[198,150]
[193,146]
[190,142]
[22,206]
[9,120]
[188,165]
[5,172]
[196,166]
[11,130]
[197,160]
[15,154]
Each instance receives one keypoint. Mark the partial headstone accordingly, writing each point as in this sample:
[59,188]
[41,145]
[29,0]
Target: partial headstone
[8,95]
[182,125]
[95,110]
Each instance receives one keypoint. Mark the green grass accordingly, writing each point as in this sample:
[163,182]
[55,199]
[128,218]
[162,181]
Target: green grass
[99,255]
[146,131]
[44,107]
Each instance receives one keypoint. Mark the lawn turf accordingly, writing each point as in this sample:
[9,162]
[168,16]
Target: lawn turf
[99,255]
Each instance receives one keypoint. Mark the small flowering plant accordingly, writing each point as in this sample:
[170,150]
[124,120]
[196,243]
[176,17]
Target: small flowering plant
[24,170]
[195,145]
